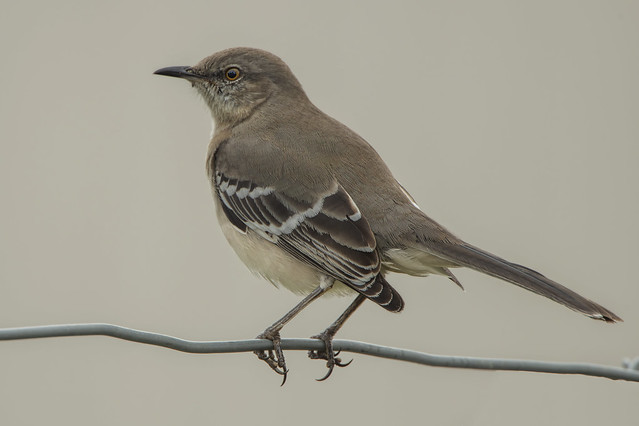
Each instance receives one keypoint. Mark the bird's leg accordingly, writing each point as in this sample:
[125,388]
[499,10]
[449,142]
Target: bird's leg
[327,335]
[275,357]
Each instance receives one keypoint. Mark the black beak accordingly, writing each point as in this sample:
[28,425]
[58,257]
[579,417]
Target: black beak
[180,72]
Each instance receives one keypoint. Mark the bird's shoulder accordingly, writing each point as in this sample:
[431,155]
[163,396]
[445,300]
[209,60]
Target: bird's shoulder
[285,157]
[304,155]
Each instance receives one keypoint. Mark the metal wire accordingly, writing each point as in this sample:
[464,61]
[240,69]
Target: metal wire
[630,373]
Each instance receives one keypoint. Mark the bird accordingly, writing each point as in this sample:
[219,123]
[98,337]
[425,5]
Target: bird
[309,205]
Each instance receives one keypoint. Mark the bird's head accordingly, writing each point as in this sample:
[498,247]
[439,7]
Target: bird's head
[235,82]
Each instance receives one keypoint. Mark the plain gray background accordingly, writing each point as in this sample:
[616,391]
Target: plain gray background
[514,124]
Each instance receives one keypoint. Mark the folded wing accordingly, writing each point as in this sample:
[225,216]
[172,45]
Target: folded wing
[328,232]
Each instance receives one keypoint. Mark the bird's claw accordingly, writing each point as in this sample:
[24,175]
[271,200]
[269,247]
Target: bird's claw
[328,354]
[274,358]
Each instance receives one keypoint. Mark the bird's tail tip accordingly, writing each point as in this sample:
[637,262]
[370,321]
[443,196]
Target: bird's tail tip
[606,316]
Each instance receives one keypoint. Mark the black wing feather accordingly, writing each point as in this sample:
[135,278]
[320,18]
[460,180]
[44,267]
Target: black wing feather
[329,233]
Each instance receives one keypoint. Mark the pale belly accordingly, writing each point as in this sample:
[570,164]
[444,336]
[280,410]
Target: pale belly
[267,260]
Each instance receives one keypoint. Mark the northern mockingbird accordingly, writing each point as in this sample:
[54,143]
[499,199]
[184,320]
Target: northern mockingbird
[309,205]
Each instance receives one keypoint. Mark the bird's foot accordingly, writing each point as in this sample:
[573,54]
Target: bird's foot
[274,358]
[328,353]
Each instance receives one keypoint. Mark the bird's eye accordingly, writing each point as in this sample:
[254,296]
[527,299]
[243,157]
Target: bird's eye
[232,74]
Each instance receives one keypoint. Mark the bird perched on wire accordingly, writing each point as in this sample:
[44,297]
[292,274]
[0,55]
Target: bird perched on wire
[309,205]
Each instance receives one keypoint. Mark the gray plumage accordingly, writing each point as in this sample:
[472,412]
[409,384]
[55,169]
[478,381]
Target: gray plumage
[293,185]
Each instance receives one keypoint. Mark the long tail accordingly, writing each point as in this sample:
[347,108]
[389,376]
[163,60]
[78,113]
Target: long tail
[464,254]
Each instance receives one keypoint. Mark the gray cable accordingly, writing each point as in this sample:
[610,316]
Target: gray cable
[190,346]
